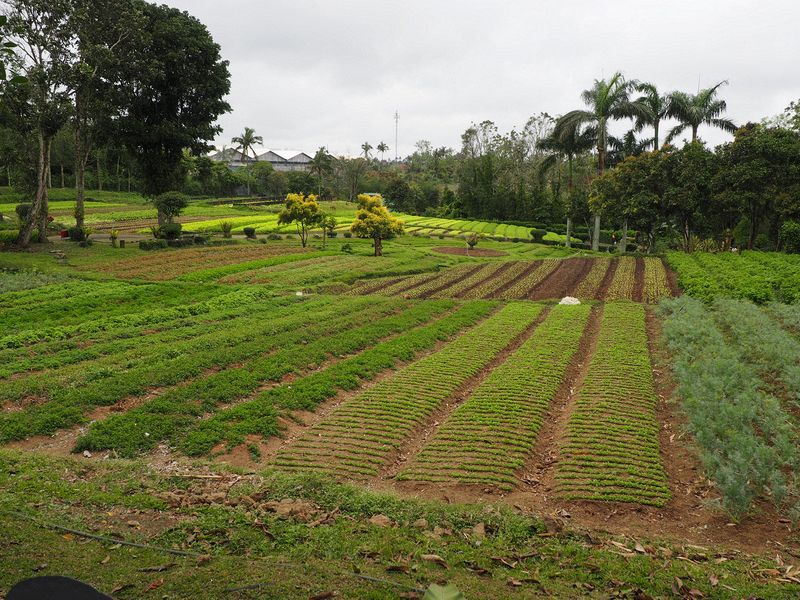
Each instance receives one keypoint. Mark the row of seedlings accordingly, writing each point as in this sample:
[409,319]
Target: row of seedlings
[484,273]
[526,283]
[488,438]
[490,287]
[262,414]
[442,280]
[624,280]
[656,283]
[611,448]
[356,439]
[590,286]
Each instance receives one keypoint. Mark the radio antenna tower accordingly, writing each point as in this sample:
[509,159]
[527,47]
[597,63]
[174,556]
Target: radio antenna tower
[396,123]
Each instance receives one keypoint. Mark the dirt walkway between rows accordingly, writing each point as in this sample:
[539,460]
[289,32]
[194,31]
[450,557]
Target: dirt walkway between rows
[564,280]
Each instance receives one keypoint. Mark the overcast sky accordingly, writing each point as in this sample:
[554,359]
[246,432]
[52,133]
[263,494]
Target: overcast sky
[312,73]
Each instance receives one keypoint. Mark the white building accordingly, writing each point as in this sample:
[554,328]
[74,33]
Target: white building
[281,160]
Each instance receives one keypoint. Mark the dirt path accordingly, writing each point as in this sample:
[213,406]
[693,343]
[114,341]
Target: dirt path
[602,291]
[564,280]
[418,438]
[638,281]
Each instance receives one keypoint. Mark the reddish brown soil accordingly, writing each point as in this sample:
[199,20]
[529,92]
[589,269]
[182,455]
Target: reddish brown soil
[638,281]
[475,252]
[534,265]
[672,279]
[563,280]
[602,291]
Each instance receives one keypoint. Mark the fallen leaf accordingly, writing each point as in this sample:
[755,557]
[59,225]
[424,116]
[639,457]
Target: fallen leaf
[157,568]
[435,558]
[713,580]
[514,582]
[421,524]
[640,549]
[479,531]
[106,559]
[504,562]
[154,585]
[381,520]
[322,596]
[121,587]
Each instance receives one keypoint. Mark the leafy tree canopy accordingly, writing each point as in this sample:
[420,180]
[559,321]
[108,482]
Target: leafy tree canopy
[374,221]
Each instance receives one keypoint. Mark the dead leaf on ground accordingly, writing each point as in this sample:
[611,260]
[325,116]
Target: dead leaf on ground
[154,585]
[322,596]
[435,558]
[119,588]
[157,568]
[106,559]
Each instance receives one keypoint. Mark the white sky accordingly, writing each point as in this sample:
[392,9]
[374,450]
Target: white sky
[307,73]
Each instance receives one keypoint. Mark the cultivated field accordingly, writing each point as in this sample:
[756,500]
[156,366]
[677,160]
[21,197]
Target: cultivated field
[440,376]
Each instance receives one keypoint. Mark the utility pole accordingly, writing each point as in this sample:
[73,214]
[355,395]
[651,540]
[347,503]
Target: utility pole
[396,123]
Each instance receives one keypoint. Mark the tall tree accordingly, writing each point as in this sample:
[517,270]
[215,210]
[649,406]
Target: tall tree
[321,165]
[607,100]
[366,147]
[383,148]
[693,110]
[176,92]
[351,171]
[43,34]
[374,221]
[246,142]
[658,107]
[572,141]
[105,33]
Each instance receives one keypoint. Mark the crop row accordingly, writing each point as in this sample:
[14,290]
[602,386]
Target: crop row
[623,281]
[484,273]
[66,406]
[300,272]
[160,266]
[525,284]
[357,438]
[748,443]
[175,353]
[443,279]
[611,449]
[508,272]
[590,285]
[259,416]
[656,284]
[488,438]
[139,316]
[170,414]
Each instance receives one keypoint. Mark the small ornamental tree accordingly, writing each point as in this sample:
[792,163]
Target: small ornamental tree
[472,241]
[303,211]
[170,204]
[374,221]
[328,223]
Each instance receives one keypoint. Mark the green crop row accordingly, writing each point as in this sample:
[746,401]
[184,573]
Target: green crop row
[357,437]
[138,318]
[747,442]
[457,289]
[508,272]
[259,416]
[487,439]
[590,286]
[68,405]
[616,404]
[656,284]
[527,282]
[623,281]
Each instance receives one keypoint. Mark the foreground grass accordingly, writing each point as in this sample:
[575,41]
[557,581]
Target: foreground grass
[330,543]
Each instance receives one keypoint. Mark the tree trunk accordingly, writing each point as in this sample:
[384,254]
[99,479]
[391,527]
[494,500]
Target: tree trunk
[378,244]
[40,200]
[655,135]
[687,235]
[63,185]
[596,236]
[569,232]
[623,243]
[81,160]
[119,183]
[99,173]
[694,133]
[129,180]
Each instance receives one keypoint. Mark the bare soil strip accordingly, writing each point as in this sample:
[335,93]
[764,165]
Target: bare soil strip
[638,281]
[602,291]
[564,280]
[417,439]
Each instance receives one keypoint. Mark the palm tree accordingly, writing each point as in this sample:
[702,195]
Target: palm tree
[366,147]
[658,106]
[321,165]
[693,110]
[383,148]
[607,100]
[627,145]
[572,142]
[246,142]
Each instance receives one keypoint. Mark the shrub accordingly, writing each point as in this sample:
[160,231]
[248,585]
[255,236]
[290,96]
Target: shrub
[23,212]
[332,234]
[76,234]
[227,228]
[114,236]
[179,243]
[515,240]
[762,242]
[790,236]
[171,231]
[347,248]
[538,234]
[273,236]
[250,232]
[200,240]
[156,244]
[347,234]
[171,204]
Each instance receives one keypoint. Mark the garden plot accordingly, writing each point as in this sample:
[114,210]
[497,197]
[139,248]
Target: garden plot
[357,438]
[490,436]
[611,448]
[624,278]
